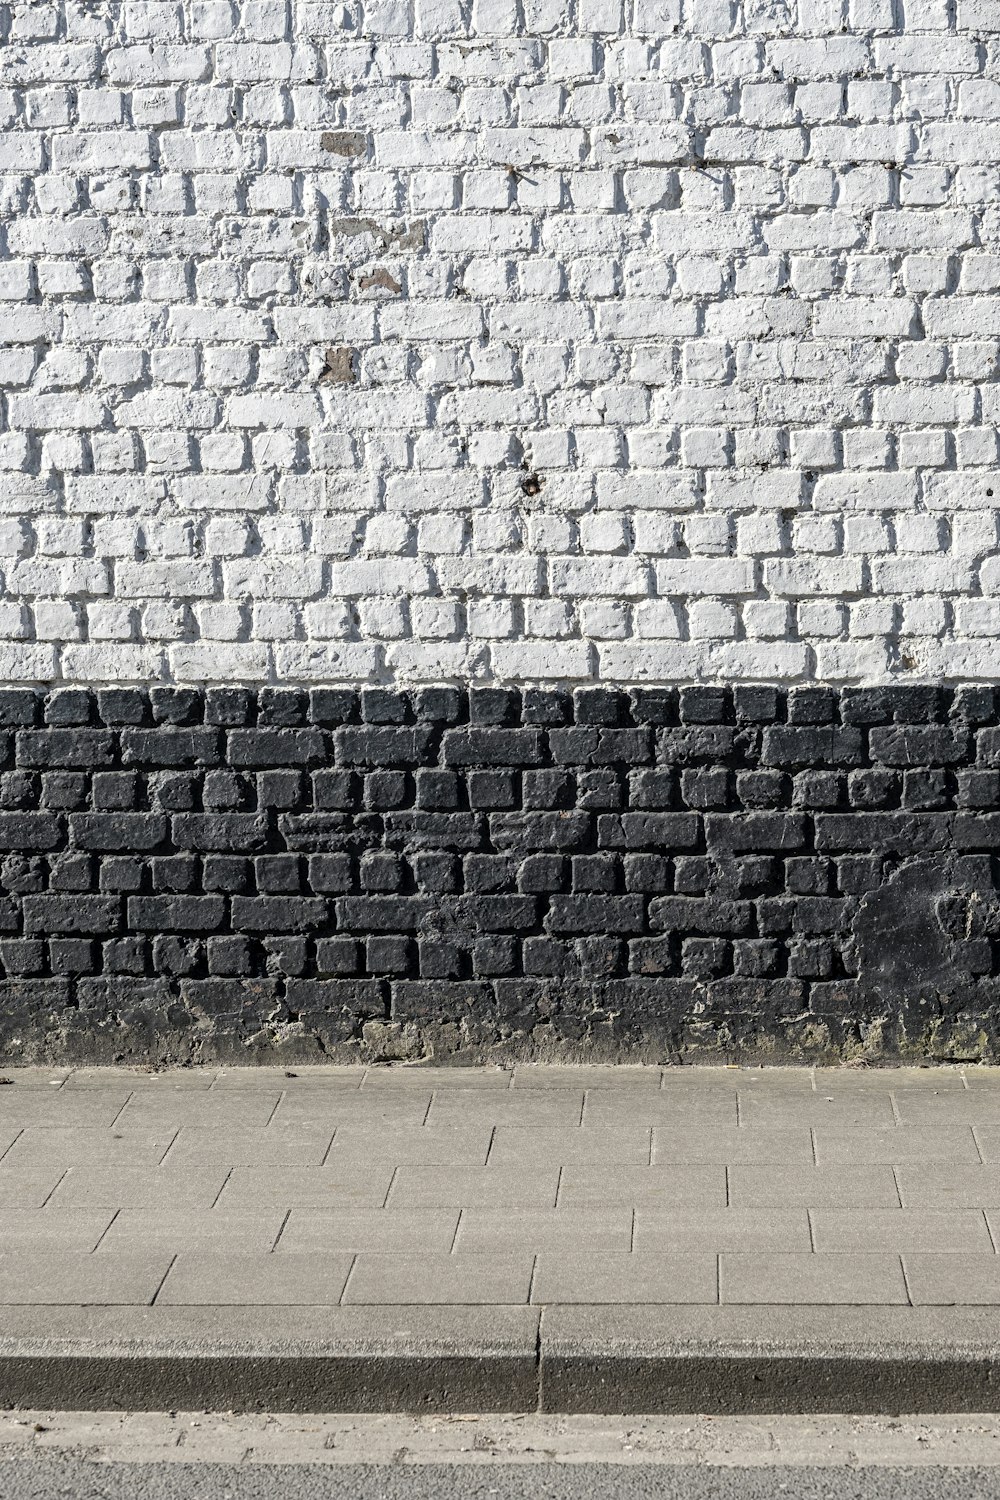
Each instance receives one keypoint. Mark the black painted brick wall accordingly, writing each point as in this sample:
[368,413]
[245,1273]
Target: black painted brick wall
[660,873]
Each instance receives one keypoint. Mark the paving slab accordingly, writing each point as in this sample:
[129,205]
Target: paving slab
[760,1144]
[331,1186]
[930,1185]
[496,1277]
[246,1280]
[135,1230]
[814,1279]
[592,1228]
[651,1186]
[415,1232]
[645,1278]
[127,1186]
[957,1230]
[690,1229]
[807,1186]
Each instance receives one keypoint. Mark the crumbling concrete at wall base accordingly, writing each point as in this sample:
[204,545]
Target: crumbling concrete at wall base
[474,875]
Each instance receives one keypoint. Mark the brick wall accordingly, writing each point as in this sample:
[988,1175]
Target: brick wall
[519,339]
[704,874]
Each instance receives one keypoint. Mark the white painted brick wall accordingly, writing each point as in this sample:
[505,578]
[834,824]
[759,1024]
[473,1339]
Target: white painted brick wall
[645,339]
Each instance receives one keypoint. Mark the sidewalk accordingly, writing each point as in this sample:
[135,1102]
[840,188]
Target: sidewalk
[576,1238]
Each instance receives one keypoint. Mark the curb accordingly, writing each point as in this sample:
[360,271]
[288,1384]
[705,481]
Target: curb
[656,1360]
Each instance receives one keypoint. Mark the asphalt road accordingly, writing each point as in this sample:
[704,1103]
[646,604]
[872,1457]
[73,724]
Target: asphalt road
[50,1478]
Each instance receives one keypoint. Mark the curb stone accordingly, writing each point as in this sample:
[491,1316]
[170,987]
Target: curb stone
[453,1359]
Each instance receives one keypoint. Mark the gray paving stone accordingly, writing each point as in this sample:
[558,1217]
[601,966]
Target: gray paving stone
[953,1280]
[811,1279]
[94,1186]
[595,1228]
[211,1280]
[141,1229]
[527,1109]
[396,1231]
[891,1080]
[354,1146]
[38,1144]
[202,1111]
[950,1108]
[306,1187]
[896,1147]
[472,1187]
[628,1146]
[988,1141]
[26,1231]
[665,1187]
[616,1278]
[589,1076]
[688,1230]
[930,1186]
[325,1078]
[821,1109]
[805,1186]
[377,1080]
[78,1278]
[686,1145]
[957,1230]
[785,1081]
[104,1079]
[296,1147]
[47,1080]
[985,1078]
[24,1185]
[404,1110]
[453,1279]
[59,1107]
[606,1109]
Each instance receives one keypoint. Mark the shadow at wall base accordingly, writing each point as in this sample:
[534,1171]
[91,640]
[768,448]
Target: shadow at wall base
[450,875]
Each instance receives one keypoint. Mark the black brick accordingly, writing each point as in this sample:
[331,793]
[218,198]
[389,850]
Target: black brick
[383,706]
[525,832]
[65,706]
[171,747]
[700,914]
[492,747]
[594,913]
[787,745]
[329,707]
[253,748]
[282,707]
[649,830]
[30,831]
[277,913]
[219,833]
[122,706]
[545,706]
[230,707]
[19,707]
[601,747]
[918,745]
[118,831]
[89,915]
[42,748]
[382,913]
[187,913]
[361,745]
[903,833]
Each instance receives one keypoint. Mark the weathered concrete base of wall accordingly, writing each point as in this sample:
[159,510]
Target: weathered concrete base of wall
[661,875]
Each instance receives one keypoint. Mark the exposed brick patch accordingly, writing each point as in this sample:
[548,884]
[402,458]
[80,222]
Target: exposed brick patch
[664,873]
